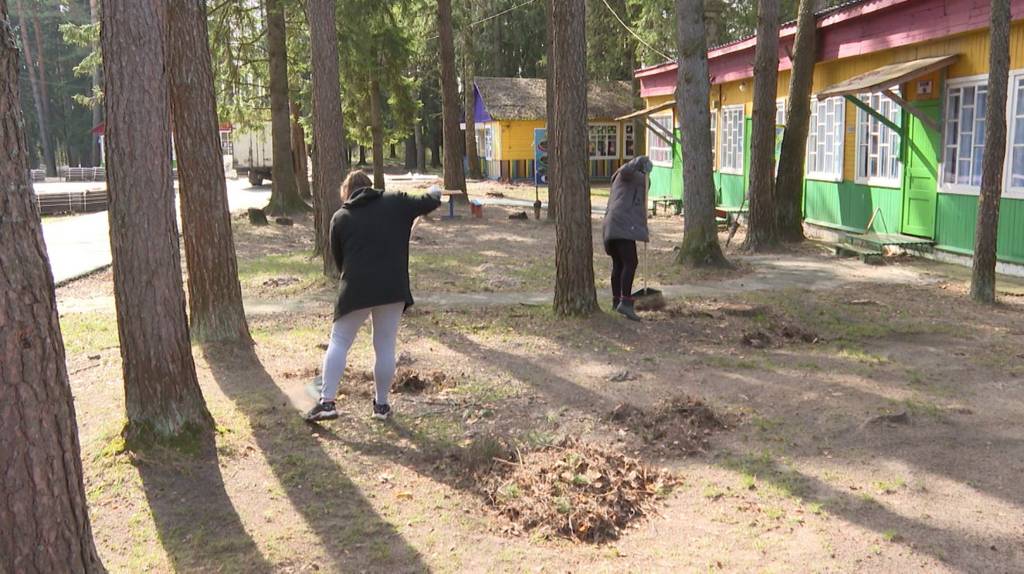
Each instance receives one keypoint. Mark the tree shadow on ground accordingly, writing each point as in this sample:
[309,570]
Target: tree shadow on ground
[331,505]
[195,518]
[945,545]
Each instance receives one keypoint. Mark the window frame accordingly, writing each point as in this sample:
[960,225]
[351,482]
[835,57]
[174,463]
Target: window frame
[714,138]
[730,168]
[614,139]
[839,141]
[485,141]
[894,182]
[652,136]
[1014,100]
[975,81]
[628,135]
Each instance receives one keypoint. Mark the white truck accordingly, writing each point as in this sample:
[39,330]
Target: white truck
[253,154]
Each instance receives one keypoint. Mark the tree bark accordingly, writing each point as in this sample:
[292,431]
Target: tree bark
[472,155]
[454,178]
[789,183]
[761,232]
[410,153]
[162,395]
[44,90]
[550,94]
[700,245]
[37,96]
[421,148]
[214,295]
[435,150]
[328,124]
[983,273]
[300,152]
[97,110]
[377,127]
[362,155]
[575,293]
[42,498]
[284,195]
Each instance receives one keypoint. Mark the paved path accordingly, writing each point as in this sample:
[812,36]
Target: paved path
[80,244]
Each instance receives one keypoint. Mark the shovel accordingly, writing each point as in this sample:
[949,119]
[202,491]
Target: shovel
[648,298]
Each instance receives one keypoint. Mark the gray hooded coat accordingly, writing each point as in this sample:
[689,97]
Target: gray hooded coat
[626,217]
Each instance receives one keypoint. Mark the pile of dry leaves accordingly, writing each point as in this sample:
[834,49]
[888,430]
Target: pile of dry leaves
[680,424]
[576,490]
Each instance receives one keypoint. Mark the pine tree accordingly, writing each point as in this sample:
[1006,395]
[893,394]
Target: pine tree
[44,516]
[575,293]
[700,231]
[162,394]
[761,231]
[284,197]
[983,273]
[214,294]
[454,178]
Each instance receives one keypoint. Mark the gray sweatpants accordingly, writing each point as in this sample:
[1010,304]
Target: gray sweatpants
[386,319]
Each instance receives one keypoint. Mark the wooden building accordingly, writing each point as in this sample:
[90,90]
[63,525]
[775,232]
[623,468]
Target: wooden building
[897,125]
[509,110]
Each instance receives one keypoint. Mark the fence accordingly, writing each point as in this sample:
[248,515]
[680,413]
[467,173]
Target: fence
[59,202]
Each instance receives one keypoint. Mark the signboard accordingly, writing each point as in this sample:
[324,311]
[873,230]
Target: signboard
[540,156]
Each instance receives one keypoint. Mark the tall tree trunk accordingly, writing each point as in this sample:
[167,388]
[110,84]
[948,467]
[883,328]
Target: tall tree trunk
[469,91]
[44,89]
[300,152]
[761,232]
[43,510]
[377,127]
[435,149]
[421,148]
[162,395]
[454,178]
[575,293]
[362,155]
[284,195]
[97,110]
[550,123]
[214,295]
[393,152]
[789,183]
[700,245]
[983,273]
[410,153]
[328,124]
[37,95]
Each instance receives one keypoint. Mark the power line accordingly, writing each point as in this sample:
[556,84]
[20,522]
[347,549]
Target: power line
[635,35]
[492,17]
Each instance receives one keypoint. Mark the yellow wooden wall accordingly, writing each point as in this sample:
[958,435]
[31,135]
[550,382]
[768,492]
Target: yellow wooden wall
[973,48]
[516,138]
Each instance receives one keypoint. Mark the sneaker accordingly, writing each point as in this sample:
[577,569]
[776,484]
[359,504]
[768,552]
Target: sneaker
[323,411]
[381,412]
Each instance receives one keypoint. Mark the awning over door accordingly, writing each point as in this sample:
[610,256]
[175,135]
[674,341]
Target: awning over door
[887,77]
[647,111]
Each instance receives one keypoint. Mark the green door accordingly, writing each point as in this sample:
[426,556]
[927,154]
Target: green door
[921,171]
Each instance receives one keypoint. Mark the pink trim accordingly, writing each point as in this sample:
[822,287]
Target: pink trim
[861,29]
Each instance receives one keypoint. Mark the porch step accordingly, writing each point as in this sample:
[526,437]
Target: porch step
[879,241]
[869,255]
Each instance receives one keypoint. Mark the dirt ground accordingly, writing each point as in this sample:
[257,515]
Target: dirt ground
[868,418]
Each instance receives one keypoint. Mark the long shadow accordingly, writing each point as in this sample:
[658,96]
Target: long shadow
[196,521]
[317,487]
[922,537]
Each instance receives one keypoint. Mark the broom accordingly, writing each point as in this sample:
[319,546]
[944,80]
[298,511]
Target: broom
[648,298]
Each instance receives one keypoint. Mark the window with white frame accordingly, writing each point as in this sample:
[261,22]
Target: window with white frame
[966,107]
[731,156]
[824,158]
[628,140]
[226,146]
[1016,139]
[604,141]
[878,146]
[485,142]
[714,137]
[659,149]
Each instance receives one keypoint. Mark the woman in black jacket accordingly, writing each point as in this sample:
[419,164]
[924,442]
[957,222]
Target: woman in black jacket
[625,223]
[370,245]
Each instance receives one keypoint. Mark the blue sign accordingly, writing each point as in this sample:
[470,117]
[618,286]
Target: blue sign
[540,156]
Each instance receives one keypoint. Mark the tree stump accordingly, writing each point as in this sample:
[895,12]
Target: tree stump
[257,216]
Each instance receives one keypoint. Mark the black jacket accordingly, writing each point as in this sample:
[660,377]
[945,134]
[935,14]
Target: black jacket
[370,244]
[626,216]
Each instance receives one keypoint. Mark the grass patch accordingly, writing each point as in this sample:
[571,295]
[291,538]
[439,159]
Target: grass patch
[90,331]
[287,274]
[784,481]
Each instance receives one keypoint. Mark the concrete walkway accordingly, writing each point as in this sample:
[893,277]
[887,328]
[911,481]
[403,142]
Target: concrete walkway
[80,244]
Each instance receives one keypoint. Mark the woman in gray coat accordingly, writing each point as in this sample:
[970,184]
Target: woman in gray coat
[625,223]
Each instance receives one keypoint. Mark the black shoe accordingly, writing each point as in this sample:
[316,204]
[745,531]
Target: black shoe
[626,308]
[615,303]
[323,411]
[381,412]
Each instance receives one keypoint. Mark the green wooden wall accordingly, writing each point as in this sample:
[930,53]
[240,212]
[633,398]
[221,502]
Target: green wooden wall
[957,218]
[849,206]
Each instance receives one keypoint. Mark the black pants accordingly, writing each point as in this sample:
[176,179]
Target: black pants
[624,262]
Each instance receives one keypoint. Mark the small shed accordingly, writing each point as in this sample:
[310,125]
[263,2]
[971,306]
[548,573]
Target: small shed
[508,111]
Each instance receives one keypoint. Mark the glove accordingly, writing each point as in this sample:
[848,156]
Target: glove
[434,192]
